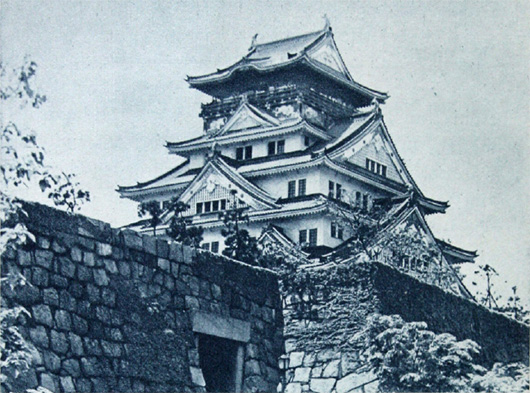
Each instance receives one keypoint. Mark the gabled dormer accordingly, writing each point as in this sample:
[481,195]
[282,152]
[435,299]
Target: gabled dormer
[217,187]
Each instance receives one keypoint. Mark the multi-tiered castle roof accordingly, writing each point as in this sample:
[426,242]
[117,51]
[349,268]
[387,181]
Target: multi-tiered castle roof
[288,132]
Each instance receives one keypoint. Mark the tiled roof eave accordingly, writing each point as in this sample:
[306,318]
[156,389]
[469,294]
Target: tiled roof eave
[229,139]
[303,59]
[140,185]
[139,194]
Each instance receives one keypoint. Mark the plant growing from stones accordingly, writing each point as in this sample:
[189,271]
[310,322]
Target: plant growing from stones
[154,211]
[179,226]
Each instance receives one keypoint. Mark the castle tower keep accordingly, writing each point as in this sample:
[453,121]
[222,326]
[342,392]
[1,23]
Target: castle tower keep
[288,132]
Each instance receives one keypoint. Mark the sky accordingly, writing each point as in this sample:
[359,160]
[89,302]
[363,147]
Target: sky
[457,73]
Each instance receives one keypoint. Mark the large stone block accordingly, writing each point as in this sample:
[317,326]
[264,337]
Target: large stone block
[111,349]
[90,367]
[124,268]
[76,254]
[89,258]
[80,325]
[49,382]
[332,369]
[67,301]
[42,314]
[40,277]
[63,321]
[353,381]
[301,374]
[58,247]
[84,273]
[322,385]
[100,277]
[59,342]
[296,359]
[71,367]
[67,384]
[293,387]
[92,346]
[39,336]
[110,266]
[103,249]
[76,344]
[24,258]
[44,258]
[163,264]
[196,376]
[50,296]
[52,362]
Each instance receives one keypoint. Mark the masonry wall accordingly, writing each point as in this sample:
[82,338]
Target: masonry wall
[335,364]
[113,311]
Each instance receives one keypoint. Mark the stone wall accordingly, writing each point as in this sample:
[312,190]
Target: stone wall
[115,311]
[323,357]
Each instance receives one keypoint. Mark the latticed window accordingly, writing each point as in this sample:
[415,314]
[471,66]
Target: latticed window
[376,167]
[291,189]
[313,237]
[301,187]
[215,247]
[336,231]
[244,153]
[302,236]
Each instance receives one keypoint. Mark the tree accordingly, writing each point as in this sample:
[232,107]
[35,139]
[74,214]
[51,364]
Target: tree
[22,164]
[488,298]
[153,209]
[179,227]
[239,244]
[409,358]
[511,377]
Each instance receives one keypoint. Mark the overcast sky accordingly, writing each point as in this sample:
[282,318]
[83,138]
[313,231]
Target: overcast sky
[456,72]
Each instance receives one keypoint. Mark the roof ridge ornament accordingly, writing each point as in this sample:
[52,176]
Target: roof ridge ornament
[376,106]
[253,43]
[327,26]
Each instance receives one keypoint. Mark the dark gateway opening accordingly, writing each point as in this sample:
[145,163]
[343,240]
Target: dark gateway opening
[218,360]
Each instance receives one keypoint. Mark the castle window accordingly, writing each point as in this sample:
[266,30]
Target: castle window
[291,193]
[248,152]
[215,247]
[376,167]
[210,206]
[358,199]
[307,140]
[244,153]
[276,147]
[336,231]
[205,246]
[313,237]
[366,201]
[301,187]
[302,236]
[335,190]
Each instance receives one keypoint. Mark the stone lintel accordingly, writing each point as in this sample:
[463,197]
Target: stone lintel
[219,326]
